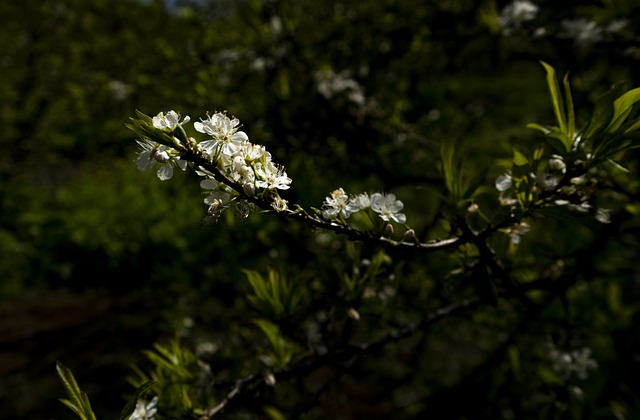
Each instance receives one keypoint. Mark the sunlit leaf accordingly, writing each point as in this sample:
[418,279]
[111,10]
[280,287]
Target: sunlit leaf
[622,108]
[78,401]
[556,97]
[571,118]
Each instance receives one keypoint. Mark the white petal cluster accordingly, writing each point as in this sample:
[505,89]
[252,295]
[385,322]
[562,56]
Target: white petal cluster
[153,154]
[145,410]
[582,30]
[577,362]
[168,122]
[336,204]
[339,203]
[243,162]
[388,207]
[225,137]
[515,14]
[229,150]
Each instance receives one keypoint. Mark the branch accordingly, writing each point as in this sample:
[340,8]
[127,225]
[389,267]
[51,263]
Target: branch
[301,215]
[348,353]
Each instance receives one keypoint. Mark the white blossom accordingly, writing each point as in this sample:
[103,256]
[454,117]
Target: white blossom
[145,410]
[388,207]
[279,204]
[504,182]
[330,84]
[271,176]
[169,121]
[359,202]
[576,362]
[517,231]
[336,204]
[515,14]
[223,130]
[153,154]
[582,31]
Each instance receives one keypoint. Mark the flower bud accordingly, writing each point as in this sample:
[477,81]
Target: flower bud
[269,378]
[242,209]
[556,164]
[353,314]
[161,156]
[249,188]
[410,236]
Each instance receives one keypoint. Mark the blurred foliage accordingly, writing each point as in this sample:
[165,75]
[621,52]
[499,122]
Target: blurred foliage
[426,99]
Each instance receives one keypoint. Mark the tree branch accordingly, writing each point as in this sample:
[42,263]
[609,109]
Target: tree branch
[349,353]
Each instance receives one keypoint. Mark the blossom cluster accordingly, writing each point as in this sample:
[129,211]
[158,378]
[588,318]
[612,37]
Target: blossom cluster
[574,193]
[248,165]
[581,30]
[247,168]
[577,362]
[339,204]
[154,153]
[243,163]
[515,14]
[145,410]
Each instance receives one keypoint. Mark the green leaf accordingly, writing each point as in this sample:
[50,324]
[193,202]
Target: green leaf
[514,361]
[558,141]
[133,401]
[571,117]
[553,136]
[633,128]
[273,413]
[73,408]
[622,108]
[602,113]
[548,376]
[535,126]
[87,411]
[78,401]
[283,350]
[556,96]
[70,384]
[450,169]
[519,159]
[258,284]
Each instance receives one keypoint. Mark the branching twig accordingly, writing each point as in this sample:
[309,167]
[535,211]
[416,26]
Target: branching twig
[351,352]
[303,216]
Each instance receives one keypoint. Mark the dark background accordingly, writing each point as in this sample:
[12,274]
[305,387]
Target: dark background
[99,261]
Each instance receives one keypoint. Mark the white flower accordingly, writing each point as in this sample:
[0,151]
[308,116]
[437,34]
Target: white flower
[335,204]
[252,152]
[144,410]
[153,153]
[219,198]
[358,202]
[551,177]
[515,14]
[224,133]
[582,30]
[169,121]
[218,192]
[575,362]
[515,232]
[503,182]
[271,176]
[388,207]
[279,204]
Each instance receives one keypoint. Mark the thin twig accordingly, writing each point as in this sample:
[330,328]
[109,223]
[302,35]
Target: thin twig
[351,352]
[302,216]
